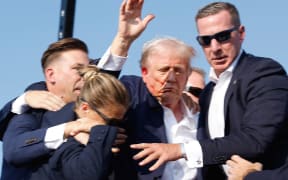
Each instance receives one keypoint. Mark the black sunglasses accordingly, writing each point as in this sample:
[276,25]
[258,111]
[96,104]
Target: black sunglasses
[220,37]
[109,121]
[196,91]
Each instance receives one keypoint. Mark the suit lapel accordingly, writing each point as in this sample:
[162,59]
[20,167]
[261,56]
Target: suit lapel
[239,69]
[157,120]
[203,131]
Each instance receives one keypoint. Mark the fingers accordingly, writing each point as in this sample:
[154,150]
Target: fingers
[133,4]
[115,150]
[141,154]
[236,158]
[44,100]
[156,165]
[151,156]
[53,102]
[147,19]
[258,166]
[121,130]
[230,163]
[120,139]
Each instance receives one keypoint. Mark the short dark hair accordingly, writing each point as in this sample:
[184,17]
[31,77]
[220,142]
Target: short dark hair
[216,7]
[56,48]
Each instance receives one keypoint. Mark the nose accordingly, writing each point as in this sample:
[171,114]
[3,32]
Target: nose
[171,75]
[215,45]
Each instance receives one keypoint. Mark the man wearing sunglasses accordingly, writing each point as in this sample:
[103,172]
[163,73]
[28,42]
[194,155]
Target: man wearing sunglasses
[243,108]
[194,87]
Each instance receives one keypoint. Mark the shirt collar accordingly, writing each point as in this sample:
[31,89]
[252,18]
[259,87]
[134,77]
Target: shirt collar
[212,74]
[189,120]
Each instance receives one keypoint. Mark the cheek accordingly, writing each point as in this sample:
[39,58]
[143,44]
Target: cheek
[207,53]
[182,81]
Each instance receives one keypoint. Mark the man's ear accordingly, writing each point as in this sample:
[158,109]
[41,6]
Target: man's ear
[49,75]
[242,32]
[144,73]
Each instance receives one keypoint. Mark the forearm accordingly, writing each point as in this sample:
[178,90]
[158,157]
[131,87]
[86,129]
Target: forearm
[77,161]
[24,148]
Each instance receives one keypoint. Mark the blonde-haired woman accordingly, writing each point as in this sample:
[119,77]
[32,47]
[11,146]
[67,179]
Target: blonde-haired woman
[103,101]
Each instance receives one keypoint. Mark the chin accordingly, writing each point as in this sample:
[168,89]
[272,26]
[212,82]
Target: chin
[77,93]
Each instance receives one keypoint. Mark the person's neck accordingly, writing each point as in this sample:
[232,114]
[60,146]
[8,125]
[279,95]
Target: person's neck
[177,111]
[56,92]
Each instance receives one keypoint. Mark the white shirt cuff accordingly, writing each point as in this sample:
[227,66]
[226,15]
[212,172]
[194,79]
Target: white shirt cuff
[194,154]
[54,136]
[19,105]
[111,62]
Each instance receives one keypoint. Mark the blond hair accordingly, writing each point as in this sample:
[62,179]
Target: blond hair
[179,48]
[101,89]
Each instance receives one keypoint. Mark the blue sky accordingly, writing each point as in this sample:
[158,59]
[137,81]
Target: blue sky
[28,27]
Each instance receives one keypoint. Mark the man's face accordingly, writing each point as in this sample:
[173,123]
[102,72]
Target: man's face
[195,80]
[220,55]
[64,75]
[165,76]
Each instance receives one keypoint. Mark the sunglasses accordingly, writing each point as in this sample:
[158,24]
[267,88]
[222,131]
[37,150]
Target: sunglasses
[109,121]
[220,37]
[195,91]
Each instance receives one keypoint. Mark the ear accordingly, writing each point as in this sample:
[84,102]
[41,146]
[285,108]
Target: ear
[242,32]
[84,107]
[144,73]
[82,110]
[49,75]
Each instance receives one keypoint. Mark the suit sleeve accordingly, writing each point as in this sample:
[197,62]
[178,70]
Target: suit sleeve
[256,119]
[279,174]
[5,113]
[23,141]
[114,73]
[77,161]
[5,116]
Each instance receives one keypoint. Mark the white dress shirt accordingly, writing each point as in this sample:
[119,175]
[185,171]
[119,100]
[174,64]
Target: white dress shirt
[216,116]
[54,135]
[181,132]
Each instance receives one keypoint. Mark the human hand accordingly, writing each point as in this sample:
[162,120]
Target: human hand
[80,125]
[120,139]
[43,100]
[239,168]
[82,138]
[130,26]
[157,151]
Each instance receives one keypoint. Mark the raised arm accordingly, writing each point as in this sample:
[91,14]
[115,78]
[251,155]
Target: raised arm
[130,26]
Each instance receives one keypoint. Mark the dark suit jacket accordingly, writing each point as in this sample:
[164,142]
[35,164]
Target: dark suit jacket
[24,146]
[13,170]
[73,160]
[144,123]
[279,174]
[256,116]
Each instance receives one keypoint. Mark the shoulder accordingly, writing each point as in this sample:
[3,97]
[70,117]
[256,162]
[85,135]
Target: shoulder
[260,64]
